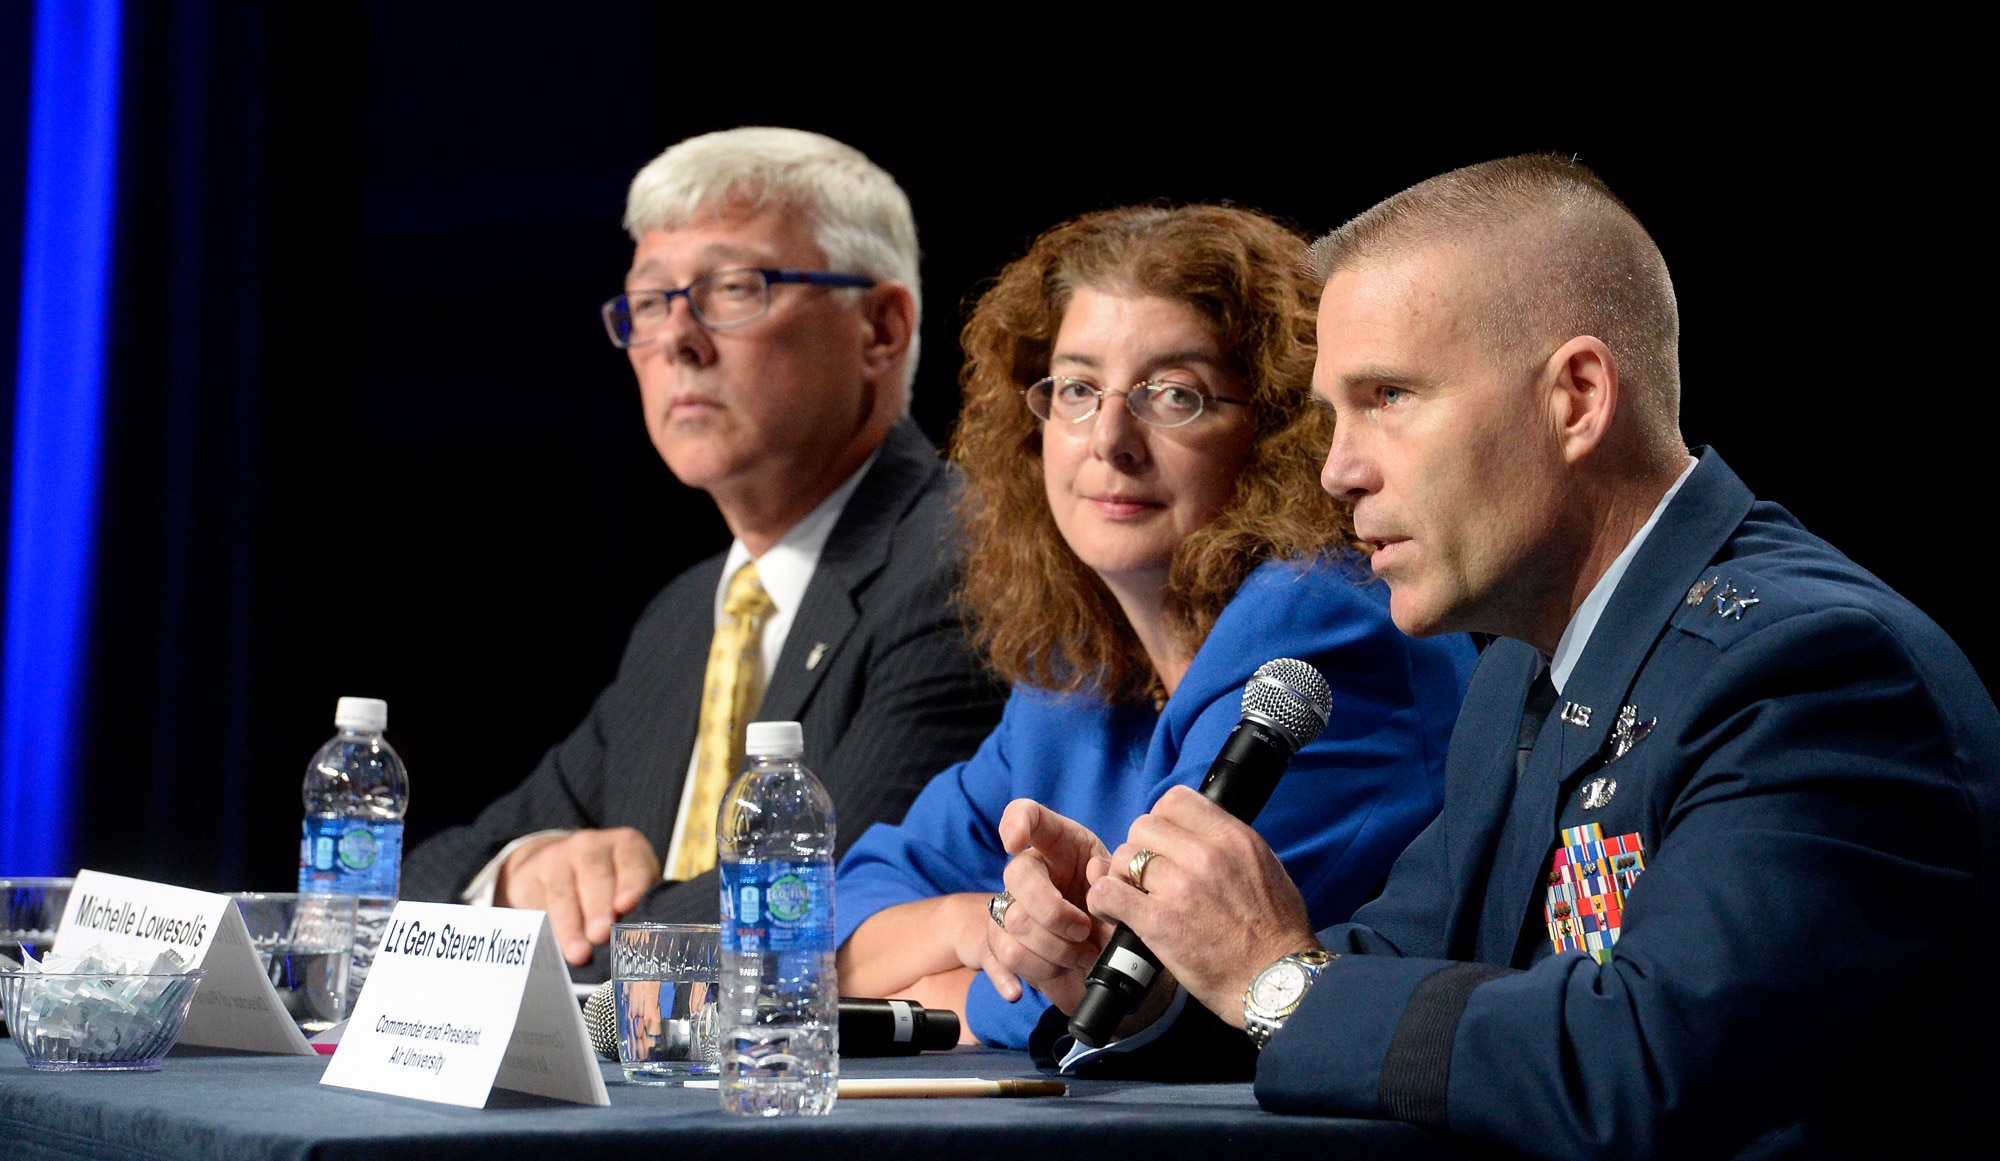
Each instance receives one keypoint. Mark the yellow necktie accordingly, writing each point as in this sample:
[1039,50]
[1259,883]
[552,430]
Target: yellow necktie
[729,695]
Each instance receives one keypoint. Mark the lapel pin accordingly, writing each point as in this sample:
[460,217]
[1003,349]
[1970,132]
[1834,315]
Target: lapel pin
[1576,715]
[1700,591]
[812,658]
[1628,731]
[1597,792]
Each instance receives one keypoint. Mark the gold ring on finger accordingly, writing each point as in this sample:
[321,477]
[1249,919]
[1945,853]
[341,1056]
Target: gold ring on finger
[1136,869]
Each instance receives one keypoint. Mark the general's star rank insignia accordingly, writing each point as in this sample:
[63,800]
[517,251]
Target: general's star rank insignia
[1737,603]
[1730,601]
[1628,731]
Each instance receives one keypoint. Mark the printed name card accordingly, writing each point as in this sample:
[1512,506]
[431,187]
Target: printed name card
[235,1006]
[462,1000]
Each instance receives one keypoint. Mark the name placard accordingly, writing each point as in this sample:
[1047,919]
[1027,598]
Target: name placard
[462,1000]
[235,1006]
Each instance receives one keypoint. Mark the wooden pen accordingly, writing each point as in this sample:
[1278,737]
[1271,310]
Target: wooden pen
[861,1089]
[916,1087]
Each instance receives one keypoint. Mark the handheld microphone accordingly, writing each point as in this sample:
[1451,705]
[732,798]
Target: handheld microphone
[867,1027]
[1284,707]
[894,1028]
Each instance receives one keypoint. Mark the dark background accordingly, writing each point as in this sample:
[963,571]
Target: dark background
[366,435]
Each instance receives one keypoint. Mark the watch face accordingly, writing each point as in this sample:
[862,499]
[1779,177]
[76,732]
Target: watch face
[1278,987]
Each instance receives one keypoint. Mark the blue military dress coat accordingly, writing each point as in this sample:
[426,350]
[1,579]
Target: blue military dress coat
[1782,939]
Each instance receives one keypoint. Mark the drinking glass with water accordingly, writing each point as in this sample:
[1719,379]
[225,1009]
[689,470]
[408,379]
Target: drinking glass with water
[30,910]
[665,976]
[305,943]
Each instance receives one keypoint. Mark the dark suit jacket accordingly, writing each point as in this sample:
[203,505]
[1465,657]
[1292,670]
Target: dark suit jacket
[895,696]
[1806,961]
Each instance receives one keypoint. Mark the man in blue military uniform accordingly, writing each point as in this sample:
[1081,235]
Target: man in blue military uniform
[1715,872]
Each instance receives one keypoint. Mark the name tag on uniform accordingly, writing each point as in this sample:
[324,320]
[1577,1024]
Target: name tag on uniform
[1588,879]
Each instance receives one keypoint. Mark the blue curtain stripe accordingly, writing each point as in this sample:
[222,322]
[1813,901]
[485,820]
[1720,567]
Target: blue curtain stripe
[59,390]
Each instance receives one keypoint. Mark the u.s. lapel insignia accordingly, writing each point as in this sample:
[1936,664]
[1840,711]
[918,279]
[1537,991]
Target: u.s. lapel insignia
[1700,590]
[1575,715]
[812,658]
[1597,792]
[1628,731]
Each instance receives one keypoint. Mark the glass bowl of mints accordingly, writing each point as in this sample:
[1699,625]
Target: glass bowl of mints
[96,1011]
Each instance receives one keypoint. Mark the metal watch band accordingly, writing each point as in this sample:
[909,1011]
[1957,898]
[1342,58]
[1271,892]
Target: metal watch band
[1261,1027]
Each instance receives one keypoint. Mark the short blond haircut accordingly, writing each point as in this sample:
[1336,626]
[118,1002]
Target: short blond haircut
[1558,254]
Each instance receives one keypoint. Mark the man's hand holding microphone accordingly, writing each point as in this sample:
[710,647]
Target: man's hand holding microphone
[1194,890]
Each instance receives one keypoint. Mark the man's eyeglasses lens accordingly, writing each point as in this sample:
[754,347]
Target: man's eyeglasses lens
[1162,404]
[725,298]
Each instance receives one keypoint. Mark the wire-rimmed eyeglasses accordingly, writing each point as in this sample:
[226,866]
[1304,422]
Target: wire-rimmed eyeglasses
[719,300]
[1158,403]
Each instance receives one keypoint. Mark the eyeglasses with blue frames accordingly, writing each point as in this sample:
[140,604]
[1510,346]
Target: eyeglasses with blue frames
[719,300]
[1158,403]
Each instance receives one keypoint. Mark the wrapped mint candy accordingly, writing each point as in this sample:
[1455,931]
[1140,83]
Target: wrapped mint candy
[96,1001]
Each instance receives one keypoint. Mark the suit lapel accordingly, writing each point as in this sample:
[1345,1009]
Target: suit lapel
[855,551]
[1482,789]
[1693,529]
[686,668]
[1689,534]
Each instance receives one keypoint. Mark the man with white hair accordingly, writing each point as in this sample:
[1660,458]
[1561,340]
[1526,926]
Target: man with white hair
[1716,872]
[770,315]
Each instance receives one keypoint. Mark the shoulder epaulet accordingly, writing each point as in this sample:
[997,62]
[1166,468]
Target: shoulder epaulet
[1724,605]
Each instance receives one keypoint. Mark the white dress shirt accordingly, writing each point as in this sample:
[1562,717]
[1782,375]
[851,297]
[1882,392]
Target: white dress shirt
[785,570]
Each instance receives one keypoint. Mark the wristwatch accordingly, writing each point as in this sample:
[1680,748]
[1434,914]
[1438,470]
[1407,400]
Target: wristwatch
[1275,994]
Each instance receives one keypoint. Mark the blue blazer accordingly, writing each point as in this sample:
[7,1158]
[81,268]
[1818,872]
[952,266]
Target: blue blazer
[1348,804]
[1812,773]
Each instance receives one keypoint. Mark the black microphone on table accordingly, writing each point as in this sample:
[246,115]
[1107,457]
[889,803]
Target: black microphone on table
[1284,707]
[867,1027]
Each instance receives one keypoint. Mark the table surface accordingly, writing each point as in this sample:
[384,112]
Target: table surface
[209,1104]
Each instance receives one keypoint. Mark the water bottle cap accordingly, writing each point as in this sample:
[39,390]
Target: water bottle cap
[774,740]
[361,713]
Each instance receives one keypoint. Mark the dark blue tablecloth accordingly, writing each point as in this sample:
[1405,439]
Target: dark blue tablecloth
[205,1104]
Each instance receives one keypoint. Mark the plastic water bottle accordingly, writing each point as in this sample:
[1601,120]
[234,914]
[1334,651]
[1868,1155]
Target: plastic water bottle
[351,842]
[780,1018]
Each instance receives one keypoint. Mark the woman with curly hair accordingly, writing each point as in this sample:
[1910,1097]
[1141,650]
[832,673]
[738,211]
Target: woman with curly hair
[1142,531]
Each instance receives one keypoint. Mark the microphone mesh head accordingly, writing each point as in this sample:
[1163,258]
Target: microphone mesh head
[1289,696]
[600,1015]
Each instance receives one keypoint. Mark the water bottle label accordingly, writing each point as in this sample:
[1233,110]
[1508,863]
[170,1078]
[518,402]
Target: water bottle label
[776,907]
[350,856]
